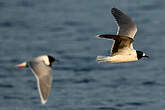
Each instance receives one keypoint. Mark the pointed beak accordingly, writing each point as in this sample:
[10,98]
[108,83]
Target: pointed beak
[146,56]
[22,65]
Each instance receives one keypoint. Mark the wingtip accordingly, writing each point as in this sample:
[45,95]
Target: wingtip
[98,36]
[116,10]
[113,10]
[101,36]
[43,101]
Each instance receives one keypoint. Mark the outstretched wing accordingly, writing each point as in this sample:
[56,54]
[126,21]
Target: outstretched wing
[126,27]
[115,37]
[121,42]
[43,75]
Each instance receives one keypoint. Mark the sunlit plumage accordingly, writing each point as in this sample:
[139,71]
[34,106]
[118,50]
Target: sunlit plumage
[41,67]
[122,48]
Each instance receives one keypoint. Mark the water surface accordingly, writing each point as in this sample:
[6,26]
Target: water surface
[66,29]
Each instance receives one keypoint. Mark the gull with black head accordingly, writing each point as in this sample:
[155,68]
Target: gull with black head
[122,48]
[41,67]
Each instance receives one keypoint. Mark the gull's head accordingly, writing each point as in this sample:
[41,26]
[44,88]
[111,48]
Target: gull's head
[141,54]
[51,59]
[47,59]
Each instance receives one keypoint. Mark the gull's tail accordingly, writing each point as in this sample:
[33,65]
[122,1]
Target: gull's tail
[101,59]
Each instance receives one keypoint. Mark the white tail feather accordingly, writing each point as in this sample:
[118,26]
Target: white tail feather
[101,59]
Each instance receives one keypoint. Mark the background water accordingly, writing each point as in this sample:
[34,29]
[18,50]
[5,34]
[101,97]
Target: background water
[66,29]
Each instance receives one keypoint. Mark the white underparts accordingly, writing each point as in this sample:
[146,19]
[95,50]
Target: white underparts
[116,58]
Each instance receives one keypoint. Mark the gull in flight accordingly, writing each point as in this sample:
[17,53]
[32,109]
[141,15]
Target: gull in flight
[122,48]
[41,67]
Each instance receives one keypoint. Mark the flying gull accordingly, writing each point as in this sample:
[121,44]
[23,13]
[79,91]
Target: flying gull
[122,48]
[41,67]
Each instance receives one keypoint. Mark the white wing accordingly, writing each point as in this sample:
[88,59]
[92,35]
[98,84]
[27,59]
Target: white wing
[43,75]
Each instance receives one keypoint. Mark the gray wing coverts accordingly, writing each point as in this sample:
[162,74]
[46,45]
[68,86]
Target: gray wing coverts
[44,77]
[126,27]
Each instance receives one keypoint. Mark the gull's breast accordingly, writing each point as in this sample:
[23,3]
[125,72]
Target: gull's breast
[121,58]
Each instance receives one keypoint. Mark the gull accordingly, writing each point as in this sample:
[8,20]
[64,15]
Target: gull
[41,67]
[122,48]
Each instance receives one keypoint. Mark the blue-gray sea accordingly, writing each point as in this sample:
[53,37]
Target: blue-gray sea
[67,29]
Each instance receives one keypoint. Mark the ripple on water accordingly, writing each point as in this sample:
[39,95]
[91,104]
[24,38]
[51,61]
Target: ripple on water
[150,83]
[73,23]
[75,81]
[6,86]
[6,24]
[131,104]
[107,108]
[135,103]
[12,97]
[85,80]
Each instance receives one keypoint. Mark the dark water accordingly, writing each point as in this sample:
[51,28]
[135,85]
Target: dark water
[66,29]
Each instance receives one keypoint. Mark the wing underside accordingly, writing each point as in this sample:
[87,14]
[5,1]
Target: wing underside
[43,75]
[120,42]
